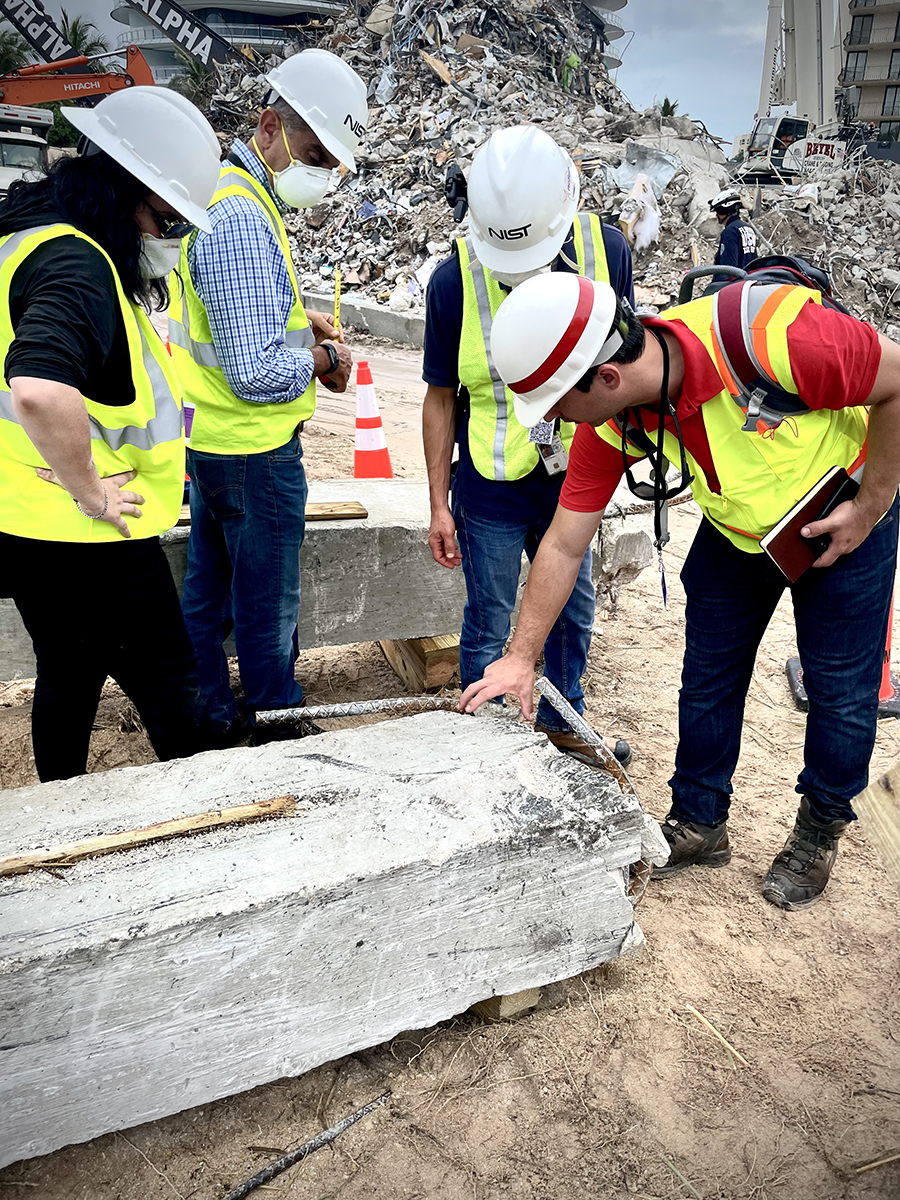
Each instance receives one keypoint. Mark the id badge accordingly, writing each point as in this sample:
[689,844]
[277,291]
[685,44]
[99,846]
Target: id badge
[554,456]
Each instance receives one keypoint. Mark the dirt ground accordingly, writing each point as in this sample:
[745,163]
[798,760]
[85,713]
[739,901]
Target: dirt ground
[611,1088]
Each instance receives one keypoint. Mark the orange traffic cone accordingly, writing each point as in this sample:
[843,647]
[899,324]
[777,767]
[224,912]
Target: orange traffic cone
[371,459]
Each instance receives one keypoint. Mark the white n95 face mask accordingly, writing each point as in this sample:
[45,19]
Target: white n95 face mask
[159,256]
[512,279]
[299,185]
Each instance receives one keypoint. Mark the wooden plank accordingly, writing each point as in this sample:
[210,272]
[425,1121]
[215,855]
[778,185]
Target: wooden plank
[335,510]
[878,808]
[316,510]
[66,853]
[423,663]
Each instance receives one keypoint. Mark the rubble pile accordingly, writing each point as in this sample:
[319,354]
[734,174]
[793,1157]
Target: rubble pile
[847,221]
[442,79]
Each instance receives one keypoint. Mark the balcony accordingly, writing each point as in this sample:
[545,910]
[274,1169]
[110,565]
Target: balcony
[610,59]
[147,36]
[855,78]
[878,37]
[614,27]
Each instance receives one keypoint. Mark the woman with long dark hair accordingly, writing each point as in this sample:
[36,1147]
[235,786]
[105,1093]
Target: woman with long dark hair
[91,426]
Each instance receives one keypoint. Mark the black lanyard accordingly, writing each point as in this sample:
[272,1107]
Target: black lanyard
[658,491]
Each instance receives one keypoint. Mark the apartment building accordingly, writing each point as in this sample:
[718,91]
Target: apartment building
[871,69]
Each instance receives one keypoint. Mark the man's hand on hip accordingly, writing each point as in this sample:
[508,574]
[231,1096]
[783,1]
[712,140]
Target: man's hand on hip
[334,378]
[442,539]
[511,675]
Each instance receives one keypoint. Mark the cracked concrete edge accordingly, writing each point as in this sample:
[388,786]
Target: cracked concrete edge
[407,328]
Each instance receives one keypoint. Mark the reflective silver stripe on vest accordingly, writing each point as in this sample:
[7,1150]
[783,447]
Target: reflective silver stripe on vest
[166,423]
[487,320]
[202,353]
[300,339]
[587,237]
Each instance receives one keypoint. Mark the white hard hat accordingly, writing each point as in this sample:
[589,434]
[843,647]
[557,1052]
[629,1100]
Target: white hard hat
[523,195]
[330,97]
[163,140]
[547,333]
[726,200]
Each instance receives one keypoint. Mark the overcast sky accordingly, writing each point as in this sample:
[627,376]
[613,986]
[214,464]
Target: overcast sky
[707,54]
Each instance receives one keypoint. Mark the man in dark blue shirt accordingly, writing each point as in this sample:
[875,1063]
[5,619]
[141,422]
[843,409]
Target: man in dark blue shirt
[737,241]
[523,219]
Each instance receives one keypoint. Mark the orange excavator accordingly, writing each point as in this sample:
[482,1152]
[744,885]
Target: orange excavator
[41,82]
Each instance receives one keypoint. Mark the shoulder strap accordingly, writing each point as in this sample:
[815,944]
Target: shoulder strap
[761,397]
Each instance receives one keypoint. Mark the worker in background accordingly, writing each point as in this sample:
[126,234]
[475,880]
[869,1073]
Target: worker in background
[91,429]
[248,356]
[523,192]
[737,241]
[621,373]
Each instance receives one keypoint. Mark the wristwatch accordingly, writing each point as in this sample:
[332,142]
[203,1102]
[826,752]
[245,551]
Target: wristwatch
[333,359]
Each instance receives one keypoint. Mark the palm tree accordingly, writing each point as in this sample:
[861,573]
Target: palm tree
[195,81]
[14,51]
[669,107]
[82,35]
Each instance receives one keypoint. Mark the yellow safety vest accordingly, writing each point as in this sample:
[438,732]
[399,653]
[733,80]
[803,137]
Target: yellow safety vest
[222,422]
[498,443]
[763,474]
[146,436]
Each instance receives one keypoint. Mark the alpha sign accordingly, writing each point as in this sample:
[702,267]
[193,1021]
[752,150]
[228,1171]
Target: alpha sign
[37,29]
[185,30]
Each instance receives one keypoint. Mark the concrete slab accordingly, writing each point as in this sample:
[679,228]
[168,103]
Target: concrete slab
[360,580]
[432,862]
[407,327]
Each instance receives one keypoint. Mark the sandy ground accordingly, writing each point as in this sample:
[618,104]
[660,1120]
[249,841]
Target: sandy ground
[611,1088]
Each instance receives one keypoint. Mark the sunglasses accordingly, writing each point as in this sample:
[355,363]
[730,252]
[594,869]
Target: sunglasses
[170,227]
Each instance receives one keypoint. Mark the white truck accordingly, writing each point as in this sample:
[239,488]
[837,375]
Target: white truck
[23,142]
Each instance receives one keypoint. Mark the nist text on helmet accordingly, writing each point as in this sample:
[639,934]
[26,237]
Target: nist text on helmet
[357,127]
[510,235]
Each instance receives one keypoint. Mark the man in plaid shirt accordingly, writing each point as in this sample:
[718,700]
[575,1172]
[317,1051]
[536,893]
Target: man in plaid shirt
[248,355]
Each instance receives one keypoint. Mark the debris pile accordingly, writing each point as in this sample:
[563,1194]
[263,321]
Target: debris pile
[442,79]
[846,220]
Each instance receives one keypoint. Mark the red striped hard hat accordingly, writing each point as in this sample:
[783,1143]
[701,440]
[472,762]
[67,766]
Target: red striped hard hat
[547,333]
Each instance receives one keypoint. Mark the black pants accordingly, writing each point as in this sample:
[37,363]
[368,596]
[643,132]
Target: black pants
[93,610]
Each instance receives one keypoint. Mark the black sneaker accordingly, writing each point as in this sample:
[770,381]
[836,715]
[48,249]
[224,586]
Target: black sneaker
[693,845]
[799,874]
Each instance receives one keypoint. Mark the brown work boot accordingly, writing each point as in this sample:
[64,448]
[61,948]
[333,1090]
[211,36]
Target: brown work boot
[693,845]
[571,743]
[798,876]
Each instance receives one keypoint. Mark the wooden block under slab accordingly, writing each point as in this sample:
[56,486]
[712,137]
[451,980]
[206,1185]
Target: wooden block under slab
[502,1008]
[423,663]
[333,510]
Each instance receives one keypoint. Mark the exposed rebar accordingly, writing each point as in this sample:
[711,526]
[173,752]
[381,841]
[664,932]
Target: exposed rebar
[355,708]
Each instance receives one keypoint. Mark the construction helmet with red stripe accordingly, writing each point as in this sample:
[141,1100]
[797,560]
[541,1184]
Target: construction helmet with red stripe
[547,333]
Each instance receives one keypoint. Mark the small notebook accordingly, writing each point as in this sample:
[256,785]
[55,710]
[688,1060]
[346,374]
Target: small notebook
[792,553]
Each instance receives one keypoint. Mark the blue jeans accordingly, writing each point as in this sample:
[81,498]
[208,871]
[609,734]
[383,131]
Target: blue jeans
[841,613]
[492,559]
[243,569]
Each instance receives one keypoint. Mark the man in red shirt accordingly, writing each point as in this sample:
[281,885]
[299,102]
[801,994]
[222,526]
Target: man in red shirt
[568,349]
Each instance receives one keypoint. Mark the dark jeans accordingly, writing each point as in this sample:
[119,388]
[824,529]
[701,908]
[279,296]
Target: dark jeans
[492,559]
[247,523]
[841,613]
[98,609]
